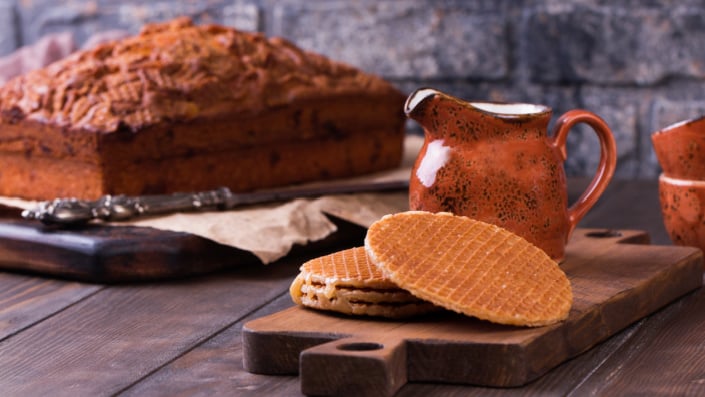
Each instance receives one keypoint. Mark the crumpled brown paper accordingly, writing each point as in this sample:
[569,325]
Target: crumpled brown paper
[270,231]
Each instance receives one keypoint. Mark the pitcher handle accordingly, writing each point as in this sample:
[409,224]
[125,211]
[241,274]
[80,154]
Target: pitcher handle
[605,170]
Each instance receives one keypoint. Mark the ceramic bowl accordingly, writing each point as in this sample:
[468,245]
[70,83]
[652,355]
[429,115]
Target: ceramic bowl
[680,149]
[683,210]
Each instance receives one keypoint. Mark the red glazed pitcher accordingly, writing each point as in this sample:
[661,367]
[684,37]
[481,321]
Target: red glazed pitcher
[495,162]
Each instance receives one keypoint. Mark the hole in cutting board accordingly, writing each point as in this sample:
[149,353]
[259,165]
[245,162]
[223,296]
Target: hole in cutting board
[605,234]
[360,346]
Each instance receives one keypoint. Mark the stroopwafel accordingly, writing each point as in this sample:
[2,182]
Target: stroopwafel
[347,282]
[470,267]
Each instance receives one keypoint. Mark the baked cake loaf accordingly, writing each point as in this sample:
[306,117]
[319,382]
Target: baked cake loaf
[181,107]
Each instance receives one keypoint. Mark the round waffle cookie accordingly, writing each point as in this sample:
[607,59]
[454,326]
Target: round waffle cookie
[347,282]
[470,267]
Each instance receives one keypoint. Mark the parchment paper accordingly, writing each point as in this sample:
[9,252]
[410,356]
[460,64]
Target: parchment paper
[270,231]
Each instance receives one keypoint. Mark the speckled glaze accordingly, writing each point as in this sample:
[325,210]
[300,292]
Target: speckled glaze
[502,168]
[680,149]
[683,210]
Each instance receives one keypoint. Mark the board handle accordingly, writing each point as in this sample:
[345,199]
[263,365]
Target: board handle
[354,367]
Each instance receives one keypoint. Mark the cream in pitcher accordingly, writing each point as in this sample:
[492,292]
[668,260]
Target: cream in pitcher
[495,162]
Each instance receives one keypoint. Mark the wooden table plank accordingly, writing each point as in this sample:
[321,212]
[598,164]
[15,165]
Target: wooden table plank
[122,334]
[215,368]
[27,300]
[664,356]
[183,337]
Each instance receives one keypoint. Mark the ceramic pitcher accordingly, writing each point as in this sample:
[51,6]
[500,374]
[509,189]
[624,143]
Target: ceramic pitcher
[497,163]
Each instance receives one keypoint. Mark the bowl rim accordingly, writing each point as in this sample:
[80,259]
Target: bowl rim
[679,181]
[669,128]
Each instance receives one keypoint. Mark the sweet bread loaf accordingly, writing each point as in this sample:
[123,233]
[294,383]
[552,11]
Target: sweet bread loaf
[181,107]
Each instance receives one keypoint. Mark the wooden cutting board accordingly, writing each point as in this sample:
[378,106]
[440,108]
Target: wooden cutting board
[617,279]
[111,254]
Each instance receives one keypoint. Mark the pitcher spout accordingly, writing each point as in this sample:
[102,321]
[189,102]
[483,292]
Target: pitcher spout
[417,105]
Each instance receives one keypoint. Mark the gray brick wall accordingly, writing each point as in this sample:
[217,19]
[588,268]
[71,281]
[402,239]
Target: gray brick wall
[640,64]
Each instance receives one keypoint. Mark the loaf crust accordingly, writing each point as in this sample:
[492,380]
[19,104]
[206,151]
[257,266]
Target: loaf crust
[181,107]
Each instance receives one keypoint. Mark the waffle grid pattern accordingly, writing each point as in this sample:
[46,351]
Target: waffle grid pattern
[470,267]
[347,282]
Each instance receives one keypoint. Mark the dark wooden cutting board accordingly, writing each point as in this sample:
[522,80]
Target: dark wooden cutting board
[617,279]
[111,254]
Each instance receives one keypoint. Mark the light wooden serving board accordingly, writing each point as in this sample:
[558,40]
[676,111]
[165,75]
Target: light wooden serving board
[617,279]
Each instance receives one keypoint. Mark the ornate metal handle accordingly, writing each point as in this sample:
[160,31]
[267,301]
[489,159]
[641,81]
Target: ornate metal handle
[71,211]
[120,207]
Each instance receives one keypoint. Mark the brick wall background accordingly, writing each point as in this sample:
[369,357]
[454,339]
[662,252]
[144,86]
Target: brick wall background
[640,64]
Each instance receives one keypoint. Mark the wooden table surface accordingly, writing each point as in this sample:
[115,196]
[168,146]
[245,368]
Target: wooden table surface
[184,337]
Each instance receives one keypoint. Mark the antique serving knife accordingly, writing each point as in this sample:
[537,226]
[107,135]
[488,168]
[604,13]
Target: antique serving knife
[115,208]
